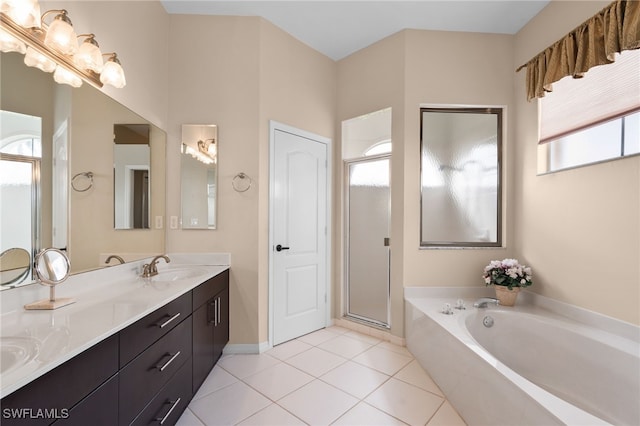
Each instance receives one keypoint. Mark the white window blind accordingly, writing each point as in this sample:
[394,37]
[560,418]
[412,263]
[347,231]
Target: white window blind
[605,92]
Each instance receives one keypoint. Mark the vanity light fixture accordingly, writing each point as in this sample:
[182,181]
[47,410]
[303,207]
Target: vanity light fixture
[60,34]
[9,43]
[89,56]
[35,59]
[206,152]
[55,47]
[112,72]
[64,76]
[25,13]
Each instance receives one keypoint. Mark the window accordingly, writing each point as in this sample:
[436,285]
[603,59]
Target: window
[460,177]
[593,119]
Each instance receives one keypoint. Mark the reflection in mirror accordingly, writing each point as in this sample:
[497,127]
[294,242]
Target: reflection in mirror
[199,173]
[131,164]
[15,265]
[460,168]
[20,158]
[76,130]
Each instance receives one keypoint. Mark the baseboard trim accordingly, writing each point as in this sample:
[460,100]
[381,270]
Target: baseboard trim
[246,348]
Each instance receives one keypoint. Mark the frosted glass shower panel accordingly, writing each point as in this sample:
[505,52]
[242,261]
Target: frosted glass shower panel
[368,200]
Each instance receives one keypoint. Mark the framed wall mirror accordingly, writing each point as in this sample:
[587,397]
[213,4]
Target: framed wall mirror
[199,176]
[67,132]
[460,159]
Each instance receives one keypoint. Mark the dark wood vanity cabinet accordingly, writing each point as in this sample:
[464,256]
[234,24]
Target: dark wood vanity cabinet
[210,325]
[145,374]
[52,396]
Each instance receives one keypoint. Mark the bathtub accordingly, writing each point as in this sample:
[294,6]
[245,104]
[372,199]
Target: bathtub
[535,365]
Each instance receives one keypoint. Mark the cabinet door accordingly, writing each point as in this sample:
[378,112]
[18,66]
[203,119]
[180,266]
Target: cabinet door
[203,346]
[221,329]
[52,395]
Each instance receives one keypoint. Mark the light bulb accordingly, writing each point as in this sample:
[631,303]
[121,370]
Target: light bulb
[89,56]
[25,13]
[9,43]
[33,58]
[61,36]
[64,76]
[113,74]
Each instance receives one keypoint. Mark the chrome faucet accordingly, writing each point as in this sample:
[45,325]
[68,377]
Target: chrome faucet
[151,269]
[484,301]
[116,257]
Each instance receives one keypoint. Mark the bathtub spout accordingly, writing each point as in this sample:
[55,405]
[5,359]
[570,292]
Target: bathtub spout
[484,301]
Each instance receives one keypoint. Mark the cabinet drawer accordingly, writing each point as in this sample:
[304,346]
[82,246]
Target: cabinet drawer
[210,288]
[100,408]
[142,378]
[141,334]
[170,402]
[64,386]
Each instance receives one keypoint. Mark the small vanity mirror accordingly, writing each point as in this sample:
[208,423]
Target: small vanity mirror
[15,264]
[131,168]
[199,175]
[460,177]
[51,268]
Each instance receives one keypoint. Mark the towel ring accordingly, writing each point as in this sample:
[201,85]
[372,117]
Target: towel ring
[82,188]
[241,182]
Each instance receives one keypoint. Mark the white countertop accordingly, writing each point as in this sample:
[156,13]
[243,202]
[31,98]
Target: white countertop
[107,301]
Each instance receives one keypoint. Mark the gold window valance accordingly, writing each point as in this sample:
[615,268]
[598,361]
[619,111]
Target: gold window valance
[595,42]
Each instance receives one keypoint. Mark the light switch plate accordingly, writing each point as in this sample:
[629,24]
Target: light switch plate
[158,222]
[173,222]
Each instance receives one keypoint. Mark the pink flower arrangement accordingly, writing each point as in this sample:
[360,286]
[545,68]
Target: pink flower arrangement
[508,273]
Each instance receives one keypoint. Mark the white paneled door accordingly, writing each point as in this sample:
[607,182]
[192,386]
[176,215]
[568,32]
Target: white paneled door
[298,235]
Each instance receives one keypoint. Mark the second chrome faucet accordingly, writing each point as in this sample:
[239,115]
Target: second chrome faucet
[151,269]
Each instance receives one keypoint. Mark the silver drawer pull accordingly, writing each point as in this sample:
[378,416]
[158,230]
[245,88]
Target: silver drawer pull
[166,364]
[174,404]
[164,324]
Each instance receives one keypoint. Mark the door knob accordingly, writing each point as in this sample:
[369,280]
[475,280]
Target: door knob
[280,248]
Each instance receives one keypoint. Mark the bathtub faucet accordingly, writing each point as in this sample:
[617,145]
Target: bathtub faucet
[484,301]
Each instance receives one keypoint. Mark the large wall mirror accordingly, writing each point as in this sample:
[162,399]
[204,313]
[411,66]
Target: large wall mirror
[68,135]
[460,177]
[199,175]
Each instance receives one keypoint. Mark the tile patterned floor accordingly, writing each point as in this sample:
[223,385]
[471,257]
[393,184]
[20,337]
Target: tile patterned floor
[333,376]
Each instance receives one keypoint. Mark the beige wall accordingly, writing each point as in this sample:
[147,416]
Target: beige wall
[579,229]
[456,69]
[370,80]
[405,71]
[297,88]
[249,72]
[137,32]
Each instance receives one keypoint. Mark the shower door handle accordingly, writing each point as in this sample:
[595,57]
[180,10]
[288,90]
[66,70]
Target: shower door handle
[280,248]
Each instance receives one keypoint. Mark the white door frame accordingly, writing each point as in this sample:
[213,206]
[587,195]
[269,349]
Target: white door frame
[273,127]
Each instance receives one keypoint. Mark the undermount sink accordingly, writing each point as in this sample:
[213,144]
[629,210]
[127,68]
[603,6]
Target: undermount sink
[177,274]
[16,351]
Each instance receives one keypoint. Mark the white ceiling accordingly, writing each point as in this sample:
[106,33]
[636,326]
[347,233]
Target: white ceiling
[339,28]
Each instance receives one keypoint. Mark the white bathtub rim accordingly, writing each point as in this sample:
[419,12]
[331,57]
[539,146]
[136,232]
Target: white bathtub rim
[573,313]
[562,410]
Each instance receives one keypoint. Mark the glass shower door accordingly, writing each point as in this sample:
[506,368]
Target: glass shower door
[368,207]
